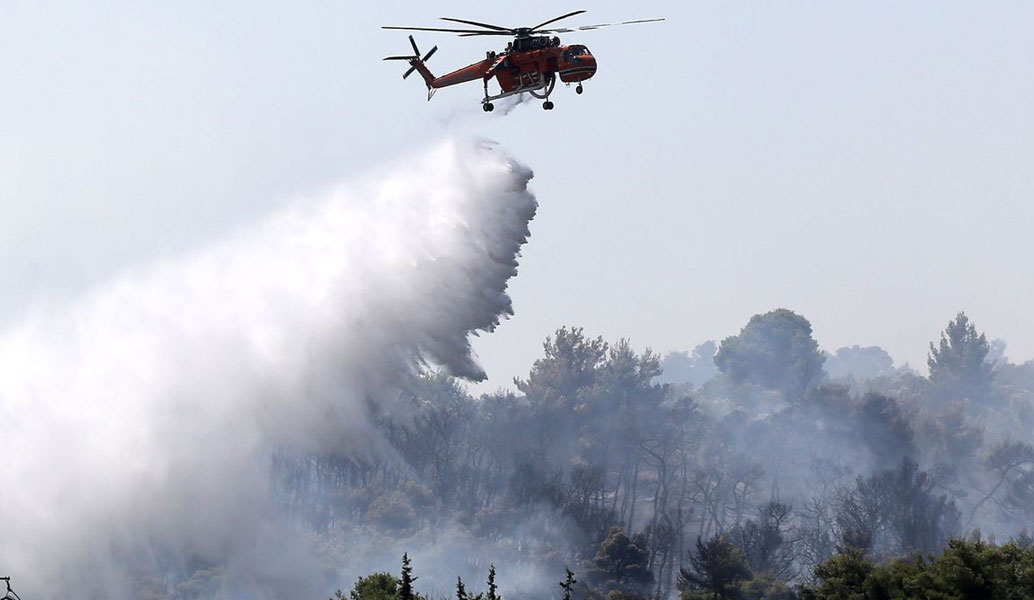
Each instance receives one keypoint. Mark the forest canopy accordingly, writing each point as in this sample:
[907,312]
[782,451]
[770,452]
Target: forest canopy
[775,470]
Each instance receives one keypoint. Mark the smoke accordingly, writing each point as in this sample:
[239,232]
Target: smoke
[505,106]
[139,420]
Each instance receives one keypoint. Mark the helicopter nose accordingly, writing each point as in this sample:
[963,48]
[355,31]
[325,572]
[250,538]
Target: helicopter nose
[590,63]
[580,69]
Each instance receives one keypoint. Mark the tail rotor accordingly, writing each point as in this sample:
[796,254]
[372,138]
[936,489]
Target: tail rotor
[414,58]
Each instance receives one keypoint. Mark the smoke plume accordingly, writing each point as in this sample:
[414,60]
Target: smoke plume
[139,420]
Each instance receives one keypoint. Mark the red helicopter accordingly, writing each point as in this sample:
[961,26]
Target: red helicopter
[530,63]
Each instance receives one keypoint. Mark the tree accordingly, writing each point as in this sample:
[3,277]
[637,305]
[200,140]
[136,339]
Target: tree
[841,577]
[958,365]
[948,434]
[622,563]
[694,368]
[764,541]
[900,504]
[716,568]
[555,386]
[860,363]
[965,569]
[775,351]
[492,589]
[378,586]
[1011,462]
[1019,500]
[570,364]
[568,583]
[883,427]
[919,520]
[405,590]
[766,587]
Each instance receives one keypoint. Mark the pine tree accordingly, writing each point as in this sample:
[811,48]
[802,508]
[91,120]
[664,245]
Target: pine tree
[716,567]
[568,584]
[461,590]
[958,365]
[492,595]
[621,563]
[406,583]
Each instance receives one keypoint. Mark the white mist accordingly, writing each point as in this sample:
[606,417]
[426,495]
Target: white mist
[137,421]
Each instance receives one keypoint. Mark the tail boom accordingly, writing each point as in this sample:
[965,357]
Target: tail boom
[480,70]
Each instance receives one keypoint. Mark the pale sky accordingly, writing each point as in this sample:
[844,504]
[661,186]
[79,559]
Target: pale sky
[867,165]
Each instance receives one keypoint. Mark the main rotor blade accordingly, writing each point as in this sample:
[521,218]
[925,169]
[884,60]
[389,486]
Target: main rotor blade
[399,57]
[506,33]
[440,29]
[598,26]
[571,14]
[485,25]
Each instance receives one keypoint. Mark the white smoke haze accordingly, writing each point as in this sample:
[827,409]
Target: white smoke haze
[505,106]
[139,420]
[460,116]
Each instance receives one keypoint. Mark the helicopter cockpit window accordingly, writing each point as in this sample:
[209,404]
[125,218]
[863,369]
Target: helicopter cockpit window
[579,51]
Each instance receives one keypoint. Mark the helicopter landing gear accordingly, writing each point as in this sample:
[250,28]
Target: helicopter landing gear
[548,83]
[579,89]
[487,107]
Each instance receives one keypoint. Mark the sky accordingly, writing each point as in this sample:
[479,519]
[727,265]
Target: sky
[867,165]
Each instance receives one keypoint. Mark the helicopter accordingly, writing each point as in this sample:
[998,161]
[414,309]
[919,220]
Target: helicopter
[531,62]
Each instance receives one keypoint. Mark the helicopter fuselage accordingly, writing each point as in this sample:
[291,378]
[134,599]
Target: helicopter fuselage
[525,64]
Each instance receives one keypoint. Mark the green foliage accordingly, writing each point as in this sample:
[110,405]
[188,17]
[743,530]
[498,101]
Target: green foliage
[385,586]
[493,591]
[766,587]
[716,567]
[378,586]
[405,589]
[775,351]
[965,570]
[571,363]
[568,583]
[592,441]
[842,577]
[622,563]
[958,368]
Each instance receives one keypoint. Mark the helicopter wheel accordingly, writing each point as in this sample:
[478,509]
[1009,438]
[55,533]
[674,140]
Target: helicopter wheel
[547,105]
[487,107]
[579,89]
